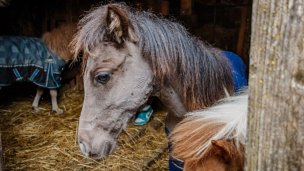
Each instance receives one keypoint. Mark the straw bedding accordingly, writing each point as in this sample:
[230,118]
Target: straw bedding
[47,141]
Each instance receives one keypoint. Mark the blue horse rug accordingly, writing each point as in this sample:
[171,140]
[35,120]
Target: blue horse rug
[29,59]
[238,67]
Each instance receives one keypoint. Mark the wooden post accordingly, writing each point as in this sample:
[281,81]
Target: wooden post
[276,107]
[242,31]
[1,154]
[164,7]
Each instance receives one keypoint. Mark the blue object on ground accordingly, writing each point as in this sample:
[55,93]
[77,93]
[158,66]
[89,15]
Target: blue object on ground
[144,115]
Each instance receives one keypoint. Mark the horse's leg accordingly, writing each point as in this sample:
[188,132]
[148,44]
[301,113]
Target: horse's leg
[37,99]
[55,107]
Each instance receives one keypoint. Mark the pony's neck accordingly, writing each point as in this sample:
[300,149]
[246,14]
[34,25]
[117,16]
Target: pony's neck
[171,99]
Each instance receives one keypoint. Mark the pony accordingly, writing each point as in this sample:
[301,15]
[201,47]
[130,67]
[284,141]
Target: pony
[213,138]
[130,56]
[58,40]
[40,61]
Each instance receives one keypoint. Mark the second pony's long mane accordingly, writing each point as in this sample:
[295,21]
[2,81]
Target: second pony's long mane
[197,72]
[227,120]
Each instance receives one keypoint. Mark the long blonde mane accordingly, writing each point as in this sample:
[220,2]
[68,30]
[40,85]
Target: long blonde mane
[226,120]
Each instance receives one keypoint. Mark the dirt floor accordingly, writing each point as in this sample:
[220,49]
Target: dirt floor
[47,141]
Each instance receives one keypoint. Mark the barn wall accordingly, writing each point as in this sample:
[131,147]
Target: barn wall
[34,17]
[222,23]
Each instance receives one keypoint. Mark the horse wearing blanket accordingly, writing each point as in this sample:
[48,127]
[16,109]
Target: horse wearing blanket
[39,61]
[131,56]
[29,59]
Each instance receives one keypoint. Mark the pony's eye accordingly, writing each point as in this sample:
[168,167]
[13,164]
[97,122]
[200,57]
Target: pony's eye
[103,77]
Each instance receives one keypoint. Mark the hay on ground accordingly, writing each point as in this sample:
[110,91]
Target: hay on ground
[47,141]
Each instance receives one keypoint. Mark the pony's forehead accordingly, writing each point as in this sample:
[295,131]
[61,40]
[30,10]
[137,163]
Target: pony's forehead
[106,50]
[107,53]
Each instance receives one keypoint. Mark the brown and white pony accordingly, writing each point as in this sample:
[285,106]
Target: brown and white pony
[214,138]
[57,40]
[38,61]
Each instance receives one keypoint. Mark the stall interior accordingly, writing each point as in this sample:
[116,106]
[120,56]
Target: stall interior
[46,140]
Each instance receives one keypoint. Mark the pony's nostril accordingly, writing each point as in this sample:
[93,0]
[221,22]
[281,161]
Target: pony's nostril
[96,146]
[107,148]
[84,148]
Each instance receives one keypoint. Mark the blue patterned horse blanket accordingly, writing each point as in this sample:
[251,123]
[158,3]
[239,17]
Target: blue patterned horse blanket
[29,59]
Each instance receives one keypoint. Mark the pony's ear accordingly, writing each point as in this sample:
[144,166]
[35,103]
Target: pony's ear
[119,25]
[226,149]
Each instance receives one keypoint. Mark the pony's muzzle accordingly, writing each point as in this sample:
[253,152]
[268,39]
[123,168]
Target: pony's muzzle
[96,147]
